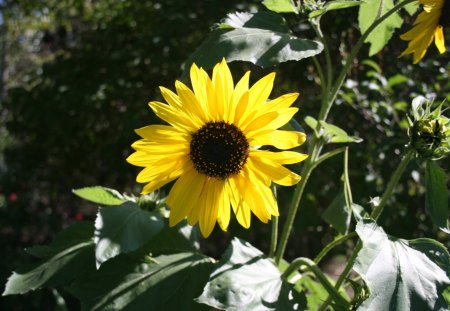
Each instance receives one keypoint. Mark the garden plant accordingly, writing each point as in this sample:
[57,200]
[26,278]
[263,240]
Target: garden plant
[226,150]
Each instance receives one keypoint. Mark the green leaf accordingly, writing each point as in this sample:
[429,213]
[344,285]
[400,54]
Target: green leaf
[179,238]
[259,20]
[332,133]
[244,277]
[166,282]
[68,257]
[334,5]
[100,195]
[262,47]
[280,6]
[401,274]
[379,37]
[337,214]
[316,293]
[436,180]
[123,229]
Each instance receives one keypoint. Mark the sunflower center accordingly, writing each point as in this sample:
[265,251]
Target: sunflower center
[218,149]
[444,20]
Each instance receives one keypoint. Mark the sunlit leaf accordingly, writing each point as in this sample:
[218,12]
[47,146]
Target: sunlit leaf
[123,229]
[68,257]
[100,195]
[166,282]
[334,5]
[437,195]
[260,20]
[401,274]
[379,37]
[245,277]
[280,6]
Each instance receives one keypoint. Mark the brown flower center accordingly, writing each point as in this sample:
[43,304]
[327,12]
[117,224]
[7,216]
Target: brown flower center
[219,149]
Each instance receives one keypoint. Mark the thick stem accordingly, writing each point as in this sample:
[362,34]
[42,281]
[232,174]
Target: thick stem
[306,172]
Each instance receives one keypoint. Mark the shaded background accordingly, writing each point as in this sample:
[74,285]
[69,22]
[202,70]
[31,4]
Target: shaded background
[75,79]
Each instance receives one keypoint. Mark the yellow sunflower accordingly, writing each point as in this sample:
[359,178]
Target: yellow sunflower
[212,146]
[428,26]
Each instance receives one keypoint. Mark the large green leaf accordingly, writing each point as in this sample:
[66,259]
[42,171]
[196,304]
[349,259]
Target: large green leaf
[245,279]
[100,195]
[437,195]
[67,257]
[123,229]
[401,275]
[166,282]
[249,41]
[379,37]
[280,6]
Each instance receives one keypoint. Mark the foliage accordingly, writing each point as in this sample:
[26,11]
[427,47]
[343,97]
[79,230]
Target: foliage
[78,74]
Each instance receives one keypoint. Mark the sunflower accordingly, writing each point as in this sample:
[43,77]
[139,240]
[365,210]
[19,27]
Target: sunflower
[429,25]
[212,147]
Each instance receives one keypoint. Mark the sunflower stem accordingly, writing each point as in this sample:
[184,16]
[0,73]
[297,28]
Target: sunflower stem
[325,109]
[306,172]
[274,237]
[316,143]
[374,215]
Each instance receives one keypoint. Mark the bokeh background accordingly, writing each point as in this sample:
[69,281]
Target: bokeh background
[75,80]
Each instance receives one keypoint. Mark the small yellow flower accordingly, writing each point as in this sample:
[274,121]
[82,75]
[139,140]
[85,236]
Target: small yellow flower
[428,26]
[211,146]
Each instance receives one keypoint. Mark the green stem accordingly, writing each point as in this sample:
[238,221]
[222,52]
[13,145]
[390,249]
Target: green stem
[392,183]
[325,109]
[311,266]
[306,172]
[374,215]
[274,237]
[316,144]
[332,245]
[329,66]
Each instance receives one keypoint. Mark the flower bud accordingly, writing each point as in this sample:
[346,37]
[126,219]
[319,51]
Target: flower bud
[430,131]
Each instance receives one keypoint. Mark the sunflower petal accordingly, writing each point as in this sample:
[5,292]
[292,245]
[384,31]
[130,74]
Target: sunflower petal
[279,139]
[184,195]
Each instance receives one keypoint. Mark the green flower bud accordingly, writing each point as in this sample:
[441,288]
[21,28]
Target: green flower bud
[430,130]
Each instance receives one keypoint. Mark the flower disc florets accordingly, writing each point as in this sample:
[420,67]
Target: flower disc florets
[218,149]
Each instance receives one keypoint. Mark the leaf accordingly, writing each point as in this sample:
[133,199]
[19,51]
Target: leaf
[316,293]
[179,238]
[401,274]
[379,37]
[260,46]
[259,20]
[123,229]
[100,195]
[334,5]
[68,257]
[244,277]
[337,214]
[436,180]
[166,282]
[280,6]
